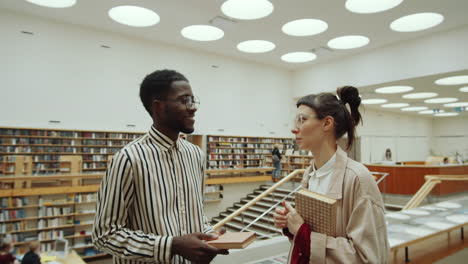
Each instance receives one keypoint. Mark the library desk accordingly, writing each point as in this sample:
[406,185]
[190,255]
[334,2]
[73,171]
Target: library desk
[71,258]
[407,179]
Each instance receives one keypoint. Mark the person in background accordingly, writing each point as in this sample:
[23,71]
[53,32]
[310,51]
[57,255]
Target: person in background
[276,158]
[446,161]
[388,157]
[32,257]
[6,257]
[361,232]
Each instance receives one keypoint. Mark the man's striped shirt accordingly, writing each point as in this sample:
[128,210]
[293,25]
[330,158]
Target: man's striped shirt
[152,191]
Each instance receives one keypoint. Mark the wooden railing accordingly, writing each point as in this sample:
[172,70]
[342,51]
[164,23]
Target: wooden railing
[426,188]
[246,206]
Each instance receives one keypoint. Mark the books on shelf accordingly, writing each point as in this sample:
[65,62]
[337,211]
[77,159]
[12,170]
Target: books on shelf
[46,145]
[233,240]
[317,210]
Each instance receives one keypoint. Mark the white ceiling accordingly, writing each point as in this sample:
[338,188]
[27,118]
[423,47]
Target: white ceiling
[177,14]
[421,84]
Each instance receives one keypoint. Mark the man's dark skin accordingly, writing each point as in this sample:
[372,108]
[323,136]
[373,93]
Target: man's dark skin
[171,117]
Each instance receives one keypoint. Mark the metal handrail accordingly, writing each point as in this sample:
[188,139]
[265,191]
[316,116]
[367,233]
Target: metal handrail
[271,208]
[246,206]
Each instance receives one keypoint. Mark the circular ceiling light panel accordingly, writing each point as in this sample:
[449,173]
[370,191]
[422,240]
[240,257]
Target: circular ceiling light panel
[371,6]
[414,108]
[416,22]
[419,95]
[304,27]
[247,9]
[202,33]
[395,105]
[446,114]
[256,46]
[430,112]
[348,42]
[464,89]
[459,104]
[454,80]
[298,57]
[53,3]
[441,100]
[373,101]
[134,16]
[394,89]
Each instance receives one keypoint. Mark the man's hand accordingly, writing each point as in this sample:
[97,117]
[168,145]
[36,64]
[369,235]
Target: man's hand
[294,220]
[194,248]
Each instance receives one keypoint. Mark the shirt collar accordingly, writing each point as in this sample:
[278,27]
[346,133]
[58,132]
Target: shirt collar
[162,140]
[326,169]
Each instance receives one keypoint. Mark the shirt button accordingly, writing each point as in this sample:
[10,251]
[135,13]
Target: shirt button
[300,254]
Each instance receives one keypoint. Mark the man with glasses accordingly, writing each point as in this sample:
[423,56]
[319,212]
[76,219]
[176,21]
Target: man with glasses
[150,202]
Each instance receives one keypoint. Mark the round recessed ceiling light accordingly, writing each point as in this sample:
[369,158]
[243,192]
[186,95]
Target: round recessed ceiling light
[394,89]
[134,16]
[370,6]
[305,27]
[419,95]
[395,105]
[247,9]
[446,114]
[348,42]
[202,33]
[373,101]
[464,89]
[414,108]
[430,112]
[256,46]
[458,104]
[454,80]
[54,3]
[298,57]
[416,22]
[440,100]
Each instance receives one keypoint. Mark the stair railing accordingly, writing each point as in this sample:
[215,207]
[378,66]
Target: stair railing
[246,206]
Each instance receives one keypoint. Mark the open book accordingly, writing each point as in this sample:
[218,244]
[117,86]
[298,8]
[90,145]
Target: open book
[233,240]
[317,210]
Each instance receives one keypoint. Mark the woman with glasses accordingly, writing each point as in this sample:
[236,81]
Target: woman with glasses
[361,234]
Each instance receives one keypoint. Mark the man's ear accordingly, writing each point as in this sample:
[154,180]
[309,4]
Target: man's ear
[328,123]
[156,108]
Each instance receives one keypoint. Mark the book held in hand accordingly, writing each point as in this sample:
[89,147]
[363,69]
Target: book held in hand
[233,240]
[317,210]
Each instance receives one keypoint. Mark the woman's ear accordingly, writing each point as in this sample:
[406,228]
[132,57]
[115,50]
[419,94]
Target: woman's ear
[328,123]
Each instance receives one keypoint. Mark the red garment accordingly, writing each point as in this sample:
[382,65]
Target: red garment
[301,251]
[7,258]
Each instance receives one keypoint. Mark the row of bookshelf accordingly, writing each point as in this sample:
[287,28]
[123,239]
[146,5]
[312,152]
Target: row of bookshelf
[69,150]
[241,152]
[67,133]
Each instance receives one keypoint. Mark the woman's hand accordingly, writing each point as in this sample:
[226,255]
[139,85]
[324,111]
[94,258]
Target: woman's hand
[293,219]
[280,217]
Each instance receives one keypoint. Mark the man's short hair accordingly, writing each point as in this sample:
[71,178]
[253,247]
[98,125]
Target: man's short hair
[156,86]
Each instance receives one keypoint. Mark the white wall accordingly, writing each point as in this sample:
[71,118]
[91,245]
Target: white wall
[408,136]
[450,135]
[62,73]
[434,54]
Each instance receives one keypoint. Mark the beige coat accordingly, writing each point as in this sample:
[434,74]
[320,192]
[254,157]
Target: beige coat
[361,232]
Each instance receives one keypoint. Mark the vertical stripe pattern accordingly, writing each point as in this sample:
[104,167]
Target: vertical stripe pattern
[152,191]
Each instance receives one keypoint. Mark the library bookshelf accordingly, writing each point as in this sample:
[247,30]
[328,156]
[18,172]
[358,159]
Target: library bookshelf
[45,214]
[224,152]
[289,163]
[45,147]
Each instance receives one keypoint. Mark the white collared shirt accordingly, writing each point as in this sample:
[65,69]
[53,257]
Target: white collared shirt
[320,179]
